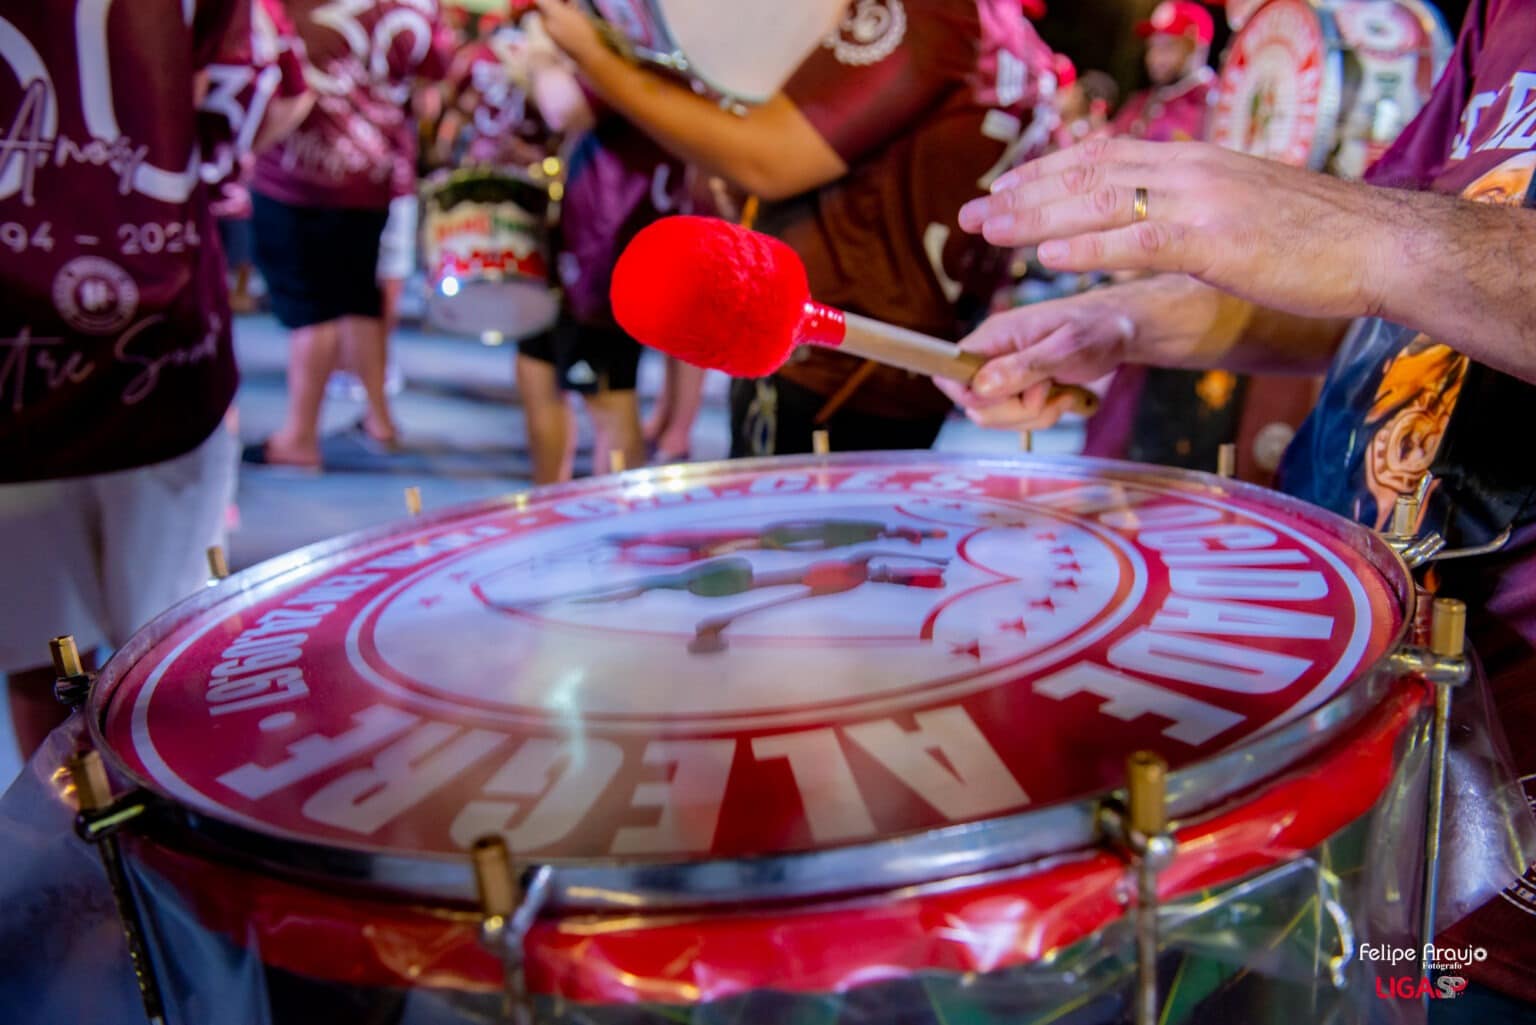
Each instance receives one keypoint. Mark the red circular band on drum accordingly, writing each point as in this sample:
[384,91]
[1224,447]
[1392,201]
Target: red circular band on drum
[743,662]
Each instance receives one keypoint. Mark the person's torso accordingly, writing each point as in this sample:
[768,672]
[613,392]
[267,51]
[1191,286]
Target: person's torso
[504,127]
[1175,113]
[1402,413]
[356,148]
[618,181]
[113,312]
[884,241]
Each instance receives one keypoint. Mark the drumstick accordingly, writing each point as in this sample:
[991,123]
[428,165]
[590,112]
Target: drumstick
[719,296]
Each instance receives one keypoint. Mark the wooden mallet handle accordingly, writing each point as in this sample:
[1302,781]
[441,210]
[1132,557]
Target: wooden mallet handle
[923,354]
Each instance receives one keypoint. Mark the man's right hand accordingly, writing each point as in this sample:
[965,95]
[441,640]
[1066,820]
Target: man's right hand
[1074,341]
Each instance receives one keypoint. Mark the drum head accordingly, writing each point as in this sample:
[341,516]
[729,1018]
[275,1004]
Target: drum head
[719,665]
[1281,85]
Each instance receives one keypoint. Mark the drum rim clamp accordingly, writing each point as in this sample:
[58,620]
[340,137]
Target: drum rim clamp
[1138,825]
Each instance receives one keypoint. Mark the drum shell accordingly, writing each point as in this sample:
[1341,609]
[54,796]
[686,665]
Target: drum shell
[487,249]
[1014,943]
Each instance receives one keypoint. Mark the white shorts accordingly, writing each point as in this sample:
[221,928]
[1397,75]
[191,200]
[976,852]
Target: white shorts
[99,557]
[397,246]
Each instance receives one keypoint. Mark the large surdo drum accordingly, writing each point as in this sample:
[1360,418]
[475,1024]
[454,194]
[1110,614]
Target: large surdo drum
[834,740]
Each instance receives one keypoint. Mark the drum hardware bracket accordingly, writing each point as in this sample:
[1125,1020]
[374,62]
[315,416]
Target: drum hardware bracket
[1138,826]
[1416,550]
[97,823]
[509,907]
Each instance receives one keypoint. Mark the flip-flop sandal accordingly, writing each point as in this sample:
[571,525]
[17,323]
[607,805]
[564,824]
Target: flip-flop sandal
[374,444]
[255,454]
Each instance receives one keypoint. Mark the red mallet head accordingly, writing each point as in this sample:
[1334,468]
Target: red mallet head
[713,294]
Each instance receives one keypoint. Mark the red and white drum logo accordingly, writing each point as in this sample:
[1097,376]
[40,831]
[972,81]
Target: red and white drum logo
[749,662]
[1275,96]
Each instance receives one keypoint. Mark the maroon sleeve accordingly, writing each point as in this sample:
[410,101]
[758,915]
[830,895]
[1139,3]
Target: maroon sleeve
[887,63]
[221,33]
[1420,153]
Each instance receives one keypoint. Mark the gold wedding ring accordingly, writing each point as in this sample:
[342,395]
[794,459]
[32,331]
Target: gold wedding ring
[1139,207]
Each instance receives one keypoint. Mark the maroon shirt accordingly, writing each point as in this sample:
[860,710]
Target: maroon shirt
[504,126]
[1397,403]
[1172,113]
[921,99]
[356,147]
[114,322]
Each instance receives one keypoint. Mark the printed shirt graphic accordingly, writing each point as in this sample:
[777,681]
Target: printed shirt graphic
[114,322]
[1398,403]
[921,99]
[357,146]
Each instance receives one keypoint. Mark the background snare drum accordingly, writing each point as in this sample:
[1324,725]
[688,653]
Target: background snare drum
[486,243]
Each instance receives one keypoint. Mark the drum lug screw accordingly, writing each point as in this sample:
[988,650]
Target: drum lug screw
[72,684]
[1402,536]
[1226,461]
[98,822]
[218,563]
[509,909]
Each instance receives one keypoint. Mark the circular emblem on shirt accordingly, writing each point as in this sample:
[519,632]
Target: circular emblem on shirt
[95,296]
[869,33]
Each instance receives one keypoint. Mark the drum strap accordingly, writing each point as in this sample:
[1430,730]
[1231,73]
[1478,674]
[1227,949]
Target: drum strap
[840,397]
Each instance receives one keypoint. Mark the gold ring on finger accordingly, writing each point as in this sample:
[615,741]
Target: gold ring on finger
[1139,207]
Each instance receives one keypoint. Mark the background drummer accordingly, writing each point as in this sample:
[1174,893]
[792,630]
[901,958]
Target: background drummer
[115,474]
[617,181]
[1261,266]
[322,199]
[863,161]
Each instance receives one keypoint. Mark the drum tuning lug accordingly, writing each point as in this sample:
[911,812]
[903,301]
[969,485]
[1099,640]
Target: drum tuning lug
[821,442]
[72,684]
[1226,460]
[413,501]
[616,461]
[218,563]
[1403,537]
[509,909]
[99,819]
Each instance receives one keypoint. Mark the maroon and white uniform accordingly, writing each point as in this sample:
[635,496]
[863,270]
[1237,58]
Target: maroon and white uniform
[114,333]
[358,141]
[503,126]
[921,99]
[116,366]
[1170,113]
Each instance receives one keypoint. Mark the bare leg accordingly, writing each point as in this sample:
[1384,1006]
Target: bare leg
[312,353]
[35,712]
[684,397]
[661,415]
[615,428]
[367,348]
[551,421]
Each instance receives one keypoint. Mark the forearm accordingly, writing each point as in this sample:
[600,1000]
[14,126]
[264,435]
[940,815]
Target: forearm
[1177,321]
[745,150]
[1461,272]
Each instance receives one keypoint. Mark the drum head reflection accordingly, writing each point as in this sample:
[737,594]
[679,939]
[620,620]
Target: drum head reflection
[749,660]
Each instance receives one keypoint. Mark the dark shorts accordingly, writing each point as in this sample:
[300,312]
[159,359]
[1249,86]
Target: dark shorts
[775,417]
[589,360]
[320,263]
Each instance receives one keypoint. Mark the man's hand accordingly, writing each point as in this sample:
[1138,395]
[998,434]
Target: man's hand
[1272,234]
[571,30]
[1170,320]
[1074,341]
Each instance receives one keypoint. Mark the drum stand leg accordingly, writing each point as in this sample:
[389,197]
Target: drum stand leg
[1140,827]
[509,909]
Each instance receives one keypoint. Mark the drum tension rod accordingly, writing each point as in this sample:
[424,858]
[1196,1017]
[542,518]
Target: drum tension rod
[99,820]
[509,908]
[1139,826]
[1445,666]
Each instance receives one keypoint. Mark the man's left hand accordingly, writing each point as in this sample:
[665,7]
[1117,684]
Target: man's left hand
[1272,234]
